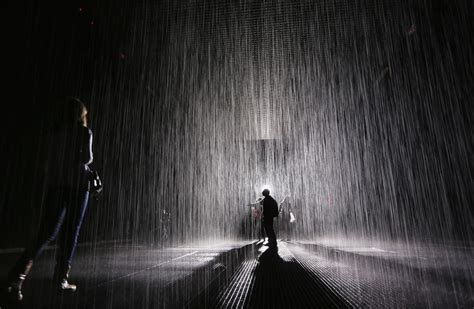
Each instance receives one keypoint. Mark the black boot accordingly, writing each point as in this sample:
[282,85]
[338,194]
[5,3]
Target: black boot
[16,277]
[61,273]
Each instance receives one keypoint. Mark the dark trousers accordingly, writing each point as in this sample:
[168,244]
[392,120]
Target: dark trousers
[259,229]
[64,211]
[268,224]
[262,230]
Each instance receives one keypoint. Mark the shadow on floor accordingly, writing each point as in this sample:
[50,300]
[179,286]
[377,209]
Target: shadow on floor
[284,283]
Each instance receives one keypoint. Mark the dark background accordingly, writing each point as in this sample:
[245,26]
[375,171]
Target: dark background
[113,55]
[54,49]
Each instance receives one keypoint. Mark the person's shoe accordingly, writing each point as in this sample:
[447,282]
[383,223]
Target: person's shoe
[61,273]
[16,278]
[64,285]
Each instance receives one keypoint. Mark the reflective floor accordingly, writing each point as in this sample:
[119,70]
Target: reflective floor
[323,274]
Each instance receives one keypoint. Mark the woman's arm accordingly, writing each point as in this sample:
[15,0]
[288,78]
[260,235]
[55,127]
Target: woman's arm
[86,149]
[282,204]
[257,202]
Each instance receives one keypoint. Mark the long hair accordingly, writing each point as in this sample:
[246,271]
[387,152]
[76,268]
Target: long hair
[79,111]
[70,111]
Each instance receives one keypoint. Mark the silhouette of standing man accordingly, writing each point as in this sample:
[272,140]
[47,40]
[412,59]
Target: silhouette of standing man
[270,211]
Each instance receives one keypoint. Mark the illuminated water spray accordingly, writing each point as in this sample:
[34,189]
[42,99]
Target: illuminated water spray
[337,104]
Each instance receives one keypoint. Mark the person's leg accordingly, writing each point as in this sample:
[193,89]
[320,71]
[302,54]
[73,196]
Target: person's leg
[76,208]
[287,227]
[50,225]
[272,232]
[49,230]
[262,229]
[268,222]
[290,231]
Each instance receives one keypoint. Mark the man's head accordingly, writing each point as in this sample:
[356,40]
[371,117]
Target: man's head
[266,192]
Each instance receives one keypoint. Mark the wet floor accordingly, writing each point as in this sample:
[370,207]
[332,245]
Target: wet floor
[250,275]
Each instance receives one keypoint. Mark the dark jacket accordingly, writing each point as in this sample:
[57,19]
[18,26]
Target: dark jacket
[69,157]
[270,207]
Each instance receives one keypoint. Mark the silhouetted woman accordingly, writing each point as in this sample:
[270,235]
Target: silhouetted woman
[67,196]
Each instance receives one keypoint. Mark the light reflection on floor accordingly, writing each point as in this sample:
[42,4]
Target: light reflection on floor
[356,273]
